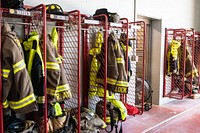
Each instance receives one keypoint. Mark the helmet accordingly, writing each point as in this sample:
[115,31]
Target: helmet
[16,126]
[15,4]
[54,9]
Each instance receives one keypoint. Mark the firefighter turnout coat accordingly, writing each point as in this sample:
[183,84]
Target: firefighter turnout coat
[117,80]
[35,66]
[18,92]
[57,86]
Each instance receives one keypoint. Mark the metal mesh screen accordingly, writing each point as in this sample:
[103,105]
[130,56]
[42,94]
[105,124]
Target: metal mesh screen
[135,95]
[197,60]
[69,52]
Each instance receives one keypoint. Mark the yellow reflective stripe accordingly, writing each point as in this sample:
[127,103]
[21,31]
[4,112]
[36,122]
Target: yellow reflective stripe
[23,102]
[19,66]
[108,119]
[51,92]
[5,73]
[120,60]
[52,65]
[40,99]
[5,104]
[61,88]
[111,81]
[122,83]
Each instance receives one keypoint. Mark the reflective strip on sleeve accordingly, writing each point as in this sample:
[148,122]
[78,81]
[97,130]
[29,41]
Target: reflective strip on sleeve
[23,102]
[5,73]
[60,88]
[19,66]
[52,65]
[51,91]
[40,99]
[111,81]
[122,83]
[5,104]
[120,60]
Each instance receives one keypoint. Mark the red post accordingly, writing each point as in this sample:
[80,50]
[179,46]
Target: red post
[143,63]
[1,102]
[79,67]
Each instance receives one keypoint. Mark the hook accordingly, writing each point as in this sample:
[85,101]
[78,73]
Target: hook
[13,27]
[4,20]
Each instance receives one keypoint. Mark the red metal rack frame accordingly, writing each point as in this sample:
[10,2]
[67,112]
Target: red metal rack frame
[137,33]
[88,29]
[197,57]
[39,13]
[69,48]
[173,82]
[106,28]
[1,106]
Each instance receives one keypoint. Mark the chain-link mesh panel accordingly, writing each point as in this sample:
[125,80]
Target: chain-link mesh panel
[196,80]
[69,52]
[179,63]
[135,95]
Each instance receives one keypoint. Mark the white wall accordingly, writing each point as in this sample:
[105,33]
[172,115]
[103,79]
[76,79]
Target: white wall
[197,14]
[169,14]
[123,8]
[174,13]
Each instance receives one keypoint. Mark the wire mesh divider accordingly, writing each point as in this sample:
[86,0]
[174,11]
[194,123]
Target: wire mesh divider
[197,60]
[136,94]
[35,15]
[177,82]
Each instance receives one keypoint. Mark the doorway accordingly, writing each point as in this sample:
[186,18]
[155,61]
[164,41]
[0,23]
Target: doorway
[148,46]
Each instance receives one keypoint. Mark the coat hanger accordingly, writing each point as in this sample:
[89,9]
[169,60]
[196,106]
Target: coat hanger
[13,28]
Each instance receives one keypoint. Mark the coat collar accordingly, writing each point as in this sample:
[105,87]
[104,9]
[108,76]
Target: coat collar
[6,29]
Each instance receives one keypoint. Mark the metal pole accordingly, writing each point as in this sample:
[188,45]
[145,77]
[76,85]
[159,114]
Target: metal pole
[1,102]
[79,67]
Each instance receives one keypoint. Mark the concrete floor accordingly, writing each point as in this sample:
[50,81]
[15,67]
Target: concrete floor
[180,116]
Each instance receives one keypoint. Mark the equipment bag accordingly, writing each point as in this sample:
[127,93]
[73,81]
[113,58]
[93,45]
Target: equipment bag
[113,114]
[112,17]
